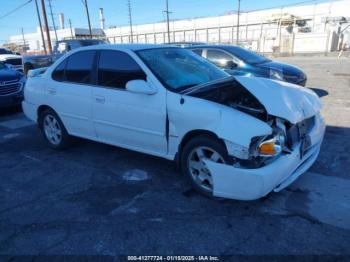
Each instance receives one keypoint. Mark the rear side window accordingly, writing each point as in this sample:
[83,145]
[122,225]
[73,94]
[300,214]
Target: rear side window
[116,68]
[197,51]
[79,67]
[58,74]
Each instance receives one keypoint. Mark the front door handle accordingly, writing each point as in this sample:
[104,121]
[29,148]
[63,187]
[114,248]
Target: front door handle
[100,99]
[51,90]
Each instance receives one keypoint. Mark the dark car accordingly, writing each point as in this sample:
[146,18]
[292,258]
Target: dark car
[185,44]
[11,86]
[61,47]
[239,61]
[10,58]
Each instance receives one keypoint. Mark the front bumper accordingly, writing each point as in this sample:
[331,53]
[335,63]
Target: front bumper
[250,184]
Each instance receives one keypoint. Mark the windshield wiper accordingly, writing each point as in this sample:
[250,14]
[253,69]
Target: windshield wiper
[187,86]
[199,86]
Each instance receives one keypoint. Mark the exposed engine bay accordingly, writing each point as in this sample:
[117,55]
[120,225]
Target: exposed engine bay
[232,94]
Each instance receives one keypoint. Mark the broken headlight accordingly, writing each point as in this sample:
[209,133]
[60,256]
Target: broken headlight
[272,146]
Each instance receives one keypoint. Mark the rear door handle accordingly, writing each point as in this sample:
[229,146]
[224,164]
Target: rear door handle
[100,99]
[51,91]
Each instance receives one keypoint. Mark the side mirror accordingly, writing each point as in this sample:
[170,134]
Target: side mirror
[230,64]
[140,87]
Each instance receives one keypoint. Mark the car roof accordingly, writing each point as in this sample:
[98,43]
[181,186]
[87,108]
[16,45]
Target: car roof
[133,47]
[214,46]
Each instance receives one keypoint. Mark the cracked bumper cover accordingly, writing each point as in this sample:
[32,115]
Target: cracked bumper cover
[250,184]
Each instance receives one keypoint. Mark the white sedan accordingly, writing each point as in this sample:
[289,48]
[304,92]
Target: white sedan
[233,137]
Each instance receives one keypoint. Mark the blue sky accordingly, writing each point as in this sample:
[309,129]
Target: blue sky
[143,11]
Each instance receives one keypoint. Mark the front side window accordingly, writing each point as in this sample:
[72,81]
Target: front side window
[179,69]
[79,67]
[116,68]
[247,56]
[58,73]
[218,57]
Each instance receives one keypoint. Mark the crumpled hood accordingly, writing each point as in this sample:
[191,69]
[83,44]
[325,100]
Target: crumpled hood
[281,99]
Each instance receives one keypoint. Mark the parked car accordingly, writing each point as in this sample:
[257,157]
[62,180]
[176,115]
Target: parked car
[186,44]
[60,48]
[11,86]
[234,137]
[12,59]
[239,61]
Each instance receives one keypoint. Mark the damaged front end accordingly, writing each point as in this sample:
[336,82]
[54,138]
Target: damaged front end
[273,160]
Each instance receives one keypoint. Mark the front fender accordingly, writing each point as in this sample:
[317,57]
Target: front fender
[188,113]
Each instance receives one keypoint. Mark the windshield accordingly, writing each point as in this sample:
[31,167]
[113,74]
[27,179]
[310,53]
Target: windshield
[247,56]
[4,51]
[179,69]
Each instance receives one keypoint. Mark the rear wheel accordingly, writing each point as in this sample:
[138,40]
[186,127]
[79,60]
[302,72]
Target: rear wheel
[53,130]
[192,161]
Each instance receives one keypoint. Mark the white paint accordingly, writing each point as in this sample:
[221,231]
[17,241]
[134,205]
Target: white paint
[290,102]
[135,175]
[137,121]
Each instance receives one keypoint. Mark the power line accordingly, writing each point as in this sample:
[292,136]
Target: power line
[53,20]
[167,18]
[88,15]
[130,22]
[15,9]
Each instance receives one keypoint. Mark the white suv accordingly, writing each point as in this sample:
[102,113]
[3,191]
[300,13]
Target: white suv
[234,137]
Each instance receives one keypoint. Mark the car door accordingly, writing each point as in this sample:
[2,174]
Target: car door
[69,93]
[131,120]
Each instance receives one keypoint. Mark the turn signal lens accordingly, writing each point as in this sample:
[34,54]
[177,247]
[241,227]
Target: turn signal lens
[269,148]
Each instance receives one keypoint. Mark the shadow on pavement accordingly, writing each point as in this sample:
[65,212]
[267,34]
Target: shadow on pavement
[320,92]
[8,111]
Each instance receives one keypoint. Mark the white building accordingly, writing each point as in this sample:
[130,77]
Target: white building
[302,28]
[34,41]
[319,27]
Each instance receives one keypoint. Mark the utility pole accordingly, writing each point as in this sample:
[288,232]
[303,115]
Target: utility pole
[88,16]
[70,26]
[46,27]
[53,20]
[130,22]
[41,27]
[24,42]
[238,13]
[167,18]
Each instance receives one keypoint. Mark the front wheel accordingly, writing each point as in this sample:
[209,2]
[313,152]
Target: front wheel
[193,166]
[53,130]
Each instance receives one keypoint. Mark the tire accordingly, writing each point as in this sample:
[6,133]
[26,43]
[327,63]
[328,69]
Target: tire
[53,130]
[209,145]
